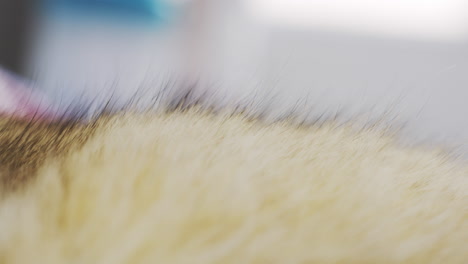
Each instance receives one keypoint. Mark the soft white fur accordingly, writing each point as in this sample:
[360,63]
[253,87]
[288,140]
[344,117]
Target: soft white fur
[196,188]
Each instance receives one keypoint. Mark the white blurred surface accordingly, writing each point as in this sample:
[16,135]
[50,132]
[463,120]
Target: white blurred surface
[445,20]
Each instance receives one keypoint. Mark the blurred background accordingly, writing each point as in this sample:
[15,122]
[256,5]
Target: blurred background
[399,58]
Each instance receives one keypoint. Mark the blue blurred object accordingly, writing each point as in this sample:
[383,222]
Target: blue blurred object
[154,10]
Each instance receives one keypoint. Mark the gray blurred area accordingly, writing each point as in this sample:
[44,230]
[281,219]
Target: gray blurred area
[16,17]
[418,85]
[422,85]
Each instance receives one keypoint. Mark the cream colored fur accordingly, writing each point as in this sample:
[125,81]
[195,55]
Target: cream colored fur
[197,188]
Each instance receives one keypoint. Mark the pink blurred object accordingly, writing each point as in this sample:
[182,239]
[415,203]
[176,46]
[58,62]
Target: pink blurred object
[19,101]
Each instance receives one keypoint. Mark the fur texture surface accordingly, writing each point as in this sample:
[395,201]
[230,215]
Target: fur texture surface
[188,186]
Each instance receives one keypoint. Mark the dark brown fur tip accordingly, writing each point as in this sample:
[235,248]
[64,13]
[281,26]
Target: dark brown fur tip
[26,144]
